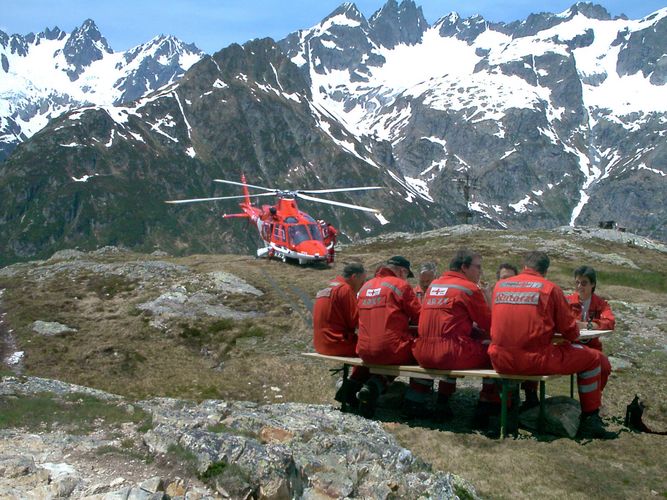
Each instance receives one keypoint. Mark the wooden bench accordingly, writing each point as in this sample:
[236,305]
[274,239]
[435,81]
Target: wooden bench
[507,381]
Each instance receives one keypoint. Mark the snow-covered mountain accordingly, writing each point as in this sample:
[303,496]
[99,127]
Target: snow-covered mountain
[558,119]
[556,109]
[44,75]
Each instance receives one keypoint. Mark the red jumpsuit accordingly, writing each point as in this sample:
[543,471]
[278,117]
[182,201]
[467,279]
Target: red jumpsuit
[527,310]
[387,305]
[419,293]
[446,340]
[329,236]
[599,313]
[335,319]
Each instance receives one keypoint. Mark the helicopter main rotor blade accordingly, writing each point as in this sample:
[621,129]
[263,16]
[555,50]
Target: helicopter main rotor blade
[337,190]
[193,200]
[224,181]
[338,203]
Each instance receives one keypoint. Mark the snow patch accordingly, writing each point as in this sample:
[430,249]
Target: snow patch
[382,220]
[84,178]
[521,206]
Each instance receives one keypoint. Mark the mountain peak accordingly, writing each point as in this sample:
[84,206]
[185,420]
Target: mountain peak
[89,25]
[394,24]
[467,29]
[348,10]
[85,45]
[53,34]
[589,10]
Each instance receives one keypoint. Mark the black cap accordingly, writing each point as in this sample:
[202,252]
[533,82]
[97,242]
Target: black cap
[400,261]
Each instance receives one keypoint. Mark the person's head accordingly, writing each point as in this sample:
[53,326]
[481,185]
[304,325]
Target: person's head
[537,261]
[426,274]
[272,210]
[467,262]
[401,266]
[506,270]
[585,279]
[355,275]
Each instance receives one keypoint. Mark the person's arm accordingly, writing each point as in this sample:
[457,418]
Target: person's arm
[353,312]
[487,291]
[605,319]
[411,305]
[479,310]
[564,319]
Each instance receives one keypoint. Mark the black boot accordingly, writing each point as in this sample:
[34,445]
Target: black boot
[347,393]
[531,401]
[591,426]
[368,396]
[443,411]
[483,413]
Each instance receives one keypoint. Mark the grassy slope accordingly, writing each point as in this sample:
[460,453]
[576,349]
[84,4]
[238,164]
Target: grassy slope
[117,349]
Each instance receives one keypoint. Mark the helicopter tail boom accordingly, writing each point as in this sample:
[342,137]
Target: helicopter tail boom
[231,216]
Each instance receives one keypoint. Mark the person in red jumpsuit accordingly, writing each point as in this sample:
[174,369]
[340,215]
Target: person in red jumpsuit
[335,321]
[426,276]
[454,331]
[329,236]
[387,307]
[504,271]
[592,311]
[527,310]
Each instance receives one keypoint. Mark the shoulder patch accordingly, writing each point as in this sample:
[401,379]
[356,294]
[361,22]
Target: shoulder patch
[325,292]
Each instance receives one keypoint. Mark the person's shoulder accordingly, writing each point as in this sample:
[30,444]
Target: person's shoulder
[600,299]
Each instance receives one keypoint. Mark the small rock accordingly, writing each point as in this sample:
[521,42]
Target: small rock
[175,488]
[64,486]
[16,466]
[51,329]
[117,482]
[619,364]
[275,435]
[117,495]
[15,358]
[153,484]
[141,494]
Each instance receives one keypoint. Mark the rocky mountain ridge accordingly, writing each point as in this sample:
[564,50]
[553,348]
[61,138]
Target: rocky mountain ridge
[509,125]
[47,74]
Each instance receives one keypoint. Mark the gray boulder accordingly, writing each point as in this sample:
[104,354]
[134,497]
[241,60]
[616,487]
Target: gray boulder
[561,413]
[51,329]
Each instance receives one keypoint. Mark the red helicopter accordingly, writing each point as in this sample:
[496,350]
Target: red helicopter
[287,232]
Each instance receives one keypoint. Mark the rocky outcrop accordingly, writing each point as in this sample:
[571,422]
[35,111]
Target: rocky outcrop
[275,451]
[394,24]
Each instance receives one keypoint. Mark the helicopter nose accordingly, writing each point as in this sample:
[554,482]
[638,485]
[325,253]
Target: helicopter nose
[312,247]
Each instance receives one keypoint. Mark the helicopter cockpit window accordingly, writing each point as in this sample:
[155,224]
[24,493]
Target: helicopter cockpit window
[309,218]
[291,220]
[279,232]
[315,231]
[298,234]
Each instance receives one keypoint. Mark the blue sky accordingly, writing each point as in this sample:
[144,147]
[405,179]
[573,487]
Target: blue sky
[214,24]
